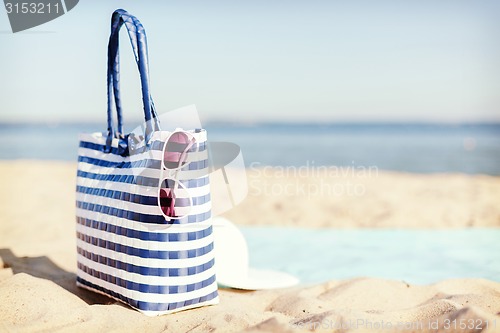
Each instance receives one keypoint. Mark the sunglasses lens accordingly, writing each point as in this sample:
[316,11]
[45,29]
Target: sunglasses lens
[177,150]
[174,199]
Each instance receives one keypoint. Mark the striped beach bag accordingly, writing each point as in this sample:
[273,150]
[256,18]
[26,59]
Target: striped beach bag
[143,208]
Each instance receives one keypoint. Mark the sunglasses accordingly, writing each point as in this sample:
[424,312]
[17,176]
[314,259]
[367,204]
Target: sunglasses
[174,199]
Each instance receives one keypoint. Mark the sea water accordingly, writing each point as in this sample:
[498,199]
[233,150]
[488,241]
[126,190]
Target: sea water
[422,148]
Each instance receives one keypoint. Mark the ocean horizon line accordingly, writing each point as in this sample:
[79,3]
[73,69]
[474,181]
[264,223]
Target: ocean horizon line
[236,123]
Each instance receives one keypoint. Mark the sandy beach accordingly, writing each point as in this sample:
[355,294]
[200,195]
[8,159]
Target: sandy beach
[38,257]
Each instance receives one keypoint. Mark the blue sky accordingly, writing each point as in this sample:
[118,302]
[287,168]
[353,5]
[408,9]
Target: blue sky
[261,60]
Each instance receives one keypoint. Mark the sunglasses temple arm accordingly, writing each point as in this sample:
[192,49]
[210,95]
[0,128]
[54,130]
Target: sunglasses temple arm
[183,155]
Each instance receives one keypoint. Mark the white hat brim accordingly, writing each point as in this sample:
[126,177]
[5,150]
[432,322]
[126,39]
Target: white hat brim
[231,261]
[260,279]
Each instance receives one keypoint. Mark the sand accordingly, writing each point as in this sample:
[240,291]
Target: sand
[37,258]
[353,198]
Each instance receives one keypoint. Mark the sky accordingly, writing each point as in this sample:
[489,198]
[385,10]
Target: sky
[255,61]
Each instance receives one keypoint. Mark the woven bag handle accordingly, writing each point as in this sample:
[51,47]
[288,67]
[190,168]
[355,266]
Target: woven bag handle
[138,40]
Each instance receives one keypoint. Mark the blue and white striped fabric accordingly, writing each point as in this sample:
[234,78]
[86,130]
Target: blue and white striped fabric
[127,249]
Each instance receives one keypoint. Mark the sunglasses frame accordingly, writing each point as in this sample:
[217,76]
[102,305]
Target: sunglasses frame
[172,174]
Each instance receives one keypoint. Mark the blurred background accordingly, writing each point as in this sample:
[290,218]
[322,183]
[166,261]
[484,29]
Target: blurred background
[410,86]
[407,86]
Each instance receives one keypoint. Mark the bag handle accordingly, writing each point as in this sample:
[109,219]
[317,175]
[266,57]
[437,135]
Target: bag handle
[117,20]
[138,40]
